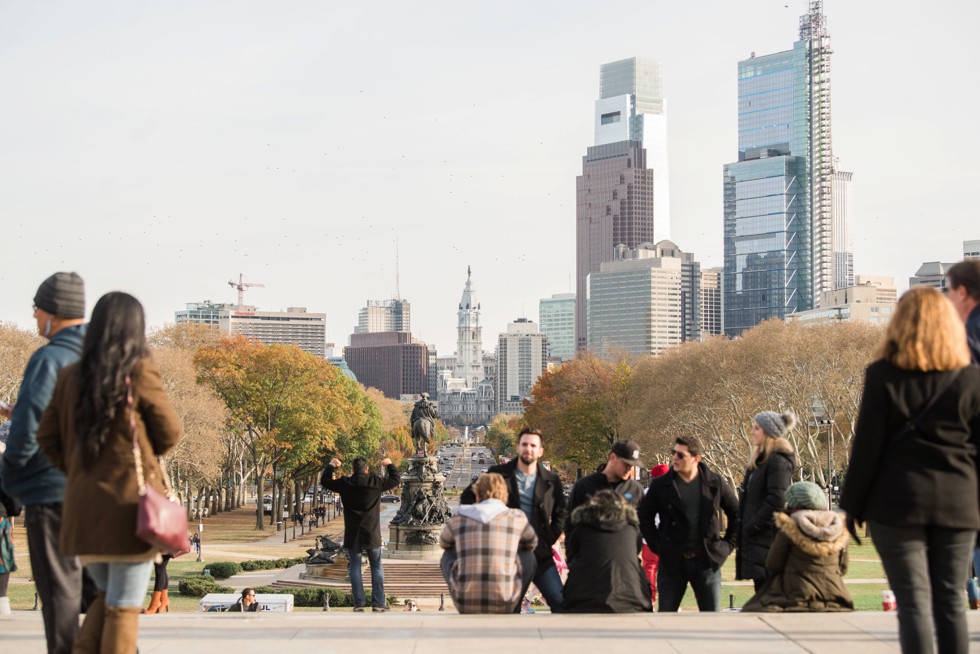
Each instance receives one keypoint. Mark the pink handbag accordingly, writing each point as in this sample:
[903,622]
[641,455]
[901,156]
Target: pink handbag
[160,520]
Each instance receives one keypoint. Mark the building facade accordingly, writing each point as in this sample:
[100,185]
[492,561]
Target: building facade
[971,249]
[293,326]
[931,273]
[868,303]
[522,355]
[843,239]
[384,316]
[392,362]
[556,316]
[711,302]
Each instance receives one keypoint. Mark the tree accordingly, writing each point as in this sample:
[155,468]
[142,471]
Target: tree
[16,347]
[502,434]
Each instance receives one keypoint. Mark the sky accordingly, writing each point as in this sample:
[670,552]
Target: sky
[165,148]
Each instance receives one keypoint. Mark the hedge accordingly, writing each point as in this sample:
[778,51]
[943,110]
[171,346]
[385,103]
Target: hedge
[223,570]
[314,596]
[250,566]
[201,585]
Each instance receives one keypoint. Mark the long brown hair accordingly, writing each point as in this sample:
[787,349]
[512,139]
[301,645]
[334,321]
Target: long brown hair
[925,333]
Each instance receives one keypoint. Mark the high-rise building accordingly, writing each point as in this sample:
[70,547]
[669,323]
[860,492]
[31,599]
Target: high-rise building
[647,300]
[556,316]
[522,355]
[384,316]
[292,326]
[843,239]
[931,273]
[392,362]
[469,337]
[711,307]
[971,249]
[871,302]
[778,197]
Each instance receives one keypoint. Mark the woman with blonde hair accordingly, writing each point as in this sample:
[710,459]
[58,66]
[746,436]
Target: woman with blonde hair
[914,467]
[767,476]
[489,559]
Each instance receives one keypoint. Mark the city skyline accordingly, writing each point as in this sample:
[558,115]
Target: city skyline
[163,150]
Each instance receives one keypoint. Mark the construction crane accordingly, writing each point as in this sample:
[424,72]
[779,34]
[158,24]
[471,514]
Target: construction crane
[241,286]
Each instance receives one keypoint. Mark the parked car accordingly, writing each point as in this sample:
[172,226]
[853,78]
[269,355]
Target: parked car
[391,498]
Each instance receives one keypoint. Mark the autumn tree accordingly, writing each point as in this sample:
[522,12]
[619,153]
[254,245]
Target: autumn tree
[16,347]
[501,436]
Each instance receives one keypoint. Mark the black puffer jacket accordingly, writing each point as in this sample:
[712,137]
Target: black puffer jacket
[604,574]
[762,494]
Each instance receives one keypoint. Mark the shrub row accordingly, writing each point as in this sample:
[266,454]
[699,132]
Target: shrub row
[250,566]
[223,570]
[201,585]
[314,596]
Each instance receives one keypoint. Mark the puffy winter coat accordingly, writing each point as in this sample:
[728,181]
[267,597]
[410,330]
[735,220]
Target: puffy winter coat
[763,494]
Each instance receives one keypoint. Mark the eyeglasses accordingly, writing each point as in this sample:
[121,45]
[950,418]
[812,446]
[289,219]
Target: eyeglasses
[680,455]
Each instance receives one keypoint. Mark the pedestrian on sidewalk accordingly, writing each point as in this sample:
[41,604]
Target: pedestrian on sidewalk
[109,418]
[913,471]
[9,507]
[361,494]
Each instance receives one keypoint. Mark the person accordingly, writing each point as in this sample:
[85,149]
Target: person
[112,396]
[411,606]
[361,494]
[247,604]
[616,474]
[9,508]
[767,476]
[160,600]
[604,573]
[963,290]
[808,558]
[680,521]
[914,468]
[537,491]
[26,474]
[196,542]
[649,560]
[489,557]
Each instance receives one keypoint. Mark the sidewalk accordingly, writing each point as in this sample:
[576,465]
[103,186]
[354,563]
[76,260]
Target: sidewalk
[433,633]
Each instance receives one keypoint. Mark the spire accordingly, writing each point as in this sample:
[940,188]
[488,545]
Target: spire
[466,302]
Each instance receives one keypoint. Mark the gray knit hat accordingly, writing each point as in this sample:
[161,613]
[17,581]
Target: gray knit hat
[805,495]
[776,424]
[62,295]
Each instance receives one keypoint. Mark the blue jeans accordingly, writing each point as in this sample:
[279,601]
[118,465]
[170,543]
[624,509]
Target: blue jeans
[673,576]
[357,582]
[972,590]
[924,565]
[548,582]
[124,584]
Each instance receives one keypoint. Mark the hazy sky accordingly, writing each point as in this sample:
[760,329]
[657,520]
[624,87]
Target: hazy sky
[163,148]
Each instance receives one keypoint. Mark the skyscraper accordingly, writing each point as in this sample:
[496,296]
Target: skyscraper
[557,318]
[384,316]
[843,239]
[522,355]
[616,192]
[778,197]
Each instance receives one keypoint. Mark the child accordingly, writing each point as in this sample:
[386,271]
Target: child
[808,558]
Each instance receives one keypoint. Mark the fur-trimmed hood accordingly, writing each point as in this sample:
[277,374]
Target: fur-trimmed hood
[817,533]
[608,517]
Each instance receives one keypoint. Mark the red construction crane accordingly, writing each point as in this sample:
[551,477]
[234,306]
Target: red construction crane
[241,286]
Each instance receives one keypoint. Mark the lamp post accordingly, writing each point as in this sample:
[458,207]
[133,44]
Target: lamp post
[822,419]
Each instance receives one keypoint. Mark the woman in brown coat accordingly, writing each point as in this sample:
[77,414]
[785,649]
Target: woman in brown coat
[86,432]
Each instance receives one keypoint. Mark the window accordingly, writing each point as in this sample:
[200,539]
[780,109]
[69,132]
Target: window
[610,118]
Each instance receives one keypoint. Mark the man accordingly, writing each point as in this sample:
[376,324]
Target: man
[59,309]
[963,290]
[361,494]
[615,475]
[687,500]
[537,492]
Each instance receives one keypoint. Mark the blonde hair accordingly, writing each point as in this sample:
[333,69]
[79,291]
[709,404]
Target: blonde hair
[925,333]
[760,454]
[490,485]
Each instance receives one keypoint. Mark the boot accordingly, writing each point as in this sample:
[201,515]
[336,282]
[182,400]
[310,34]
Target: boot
[120,629]
[155,602]
[89,638]
[974,605]
[164,602]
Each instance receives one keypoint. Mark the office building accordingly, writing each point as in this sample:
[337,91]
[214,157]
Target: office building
[779,211]
[293,326]
[522,355]
[842,237]
[867,303]
[556,316]
[384,316]
[711,302]
[392,362]
[971,249]
[931,273]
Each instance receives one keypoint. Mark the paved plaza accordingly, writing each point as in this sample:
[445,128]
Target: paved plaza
[415,633]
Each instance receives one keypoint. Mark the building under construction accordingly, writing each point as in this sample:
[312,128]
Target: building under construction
[786,240]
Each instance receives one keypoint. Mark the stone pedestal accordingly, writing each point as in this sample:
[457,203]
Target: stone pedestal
[335,573]
[414,532]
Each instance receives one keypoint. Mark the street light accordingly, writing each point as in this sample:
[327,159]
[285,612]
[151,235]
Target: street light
[822,419]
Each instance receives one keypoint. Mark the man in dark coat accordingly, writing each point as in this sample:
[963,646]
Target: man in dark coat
[361,494]
[679,519]
[537,491]
[963,290]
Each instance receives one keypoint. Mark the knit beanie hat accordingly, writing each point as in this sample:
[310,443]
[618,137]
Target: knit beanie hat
[776,424]
[805,495]
[62,295]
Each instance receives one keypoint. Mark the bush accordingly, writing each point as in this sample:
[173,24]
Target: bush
[251,566]
[314,596]
[201,585]
[223,570]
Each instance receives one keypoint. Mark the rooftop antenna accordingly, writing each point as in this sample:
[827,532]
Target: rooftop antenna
[241,286]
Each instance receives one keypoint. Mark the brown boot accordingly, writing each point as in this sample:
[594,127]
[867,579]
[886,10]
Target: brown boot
[164,602]
[90,633]
[155,602]
[975,605]
[120,629]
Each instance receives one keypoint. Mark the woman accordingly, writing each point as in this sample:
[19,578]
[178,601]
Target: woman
[604,573]
[160,600]
[808,558]
[913,470]
[768,475]
[489,559]
[86,432]
[9,507]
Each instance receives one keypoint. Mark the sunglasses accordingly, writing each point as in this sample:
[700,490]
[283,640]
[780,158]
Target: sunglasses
[680,455]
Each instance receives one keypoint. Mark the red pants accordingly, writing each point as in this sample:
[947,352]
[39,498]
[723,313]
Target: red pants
[650,561]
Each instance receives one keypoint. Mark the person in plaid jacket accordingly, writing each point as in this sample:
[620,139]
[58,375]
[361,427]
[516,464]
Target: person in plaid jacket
[489,560]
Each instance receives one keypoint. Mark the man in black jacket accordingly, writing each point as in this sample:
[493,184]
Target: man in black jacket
[361,494]
[688,500]
[537,491]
